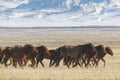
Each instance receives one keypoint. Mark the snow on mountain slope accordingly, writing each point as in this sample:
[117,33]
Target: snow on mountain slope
[77,11]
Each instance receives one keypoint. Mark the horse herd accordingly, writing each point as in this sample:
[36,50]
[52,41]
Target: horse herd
[83,55]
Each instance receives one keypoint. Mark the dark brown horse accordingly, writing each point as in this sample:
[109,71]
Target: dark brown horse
[30,53]
[78,53]
[53,57]
[43,53]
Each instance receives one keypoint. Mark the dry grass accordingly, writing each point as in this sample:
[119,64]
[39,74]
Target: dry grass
[54,39]
[110,72]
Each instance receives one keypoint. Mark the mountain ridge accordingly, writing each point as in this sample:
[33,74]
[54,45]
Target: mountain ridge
[60,10]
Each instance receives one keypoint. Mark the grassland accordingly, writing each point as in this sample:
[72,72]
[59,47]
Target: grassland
[55,38]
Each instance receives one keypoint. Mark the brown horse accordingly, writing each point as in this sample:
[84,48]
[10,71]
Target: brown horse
[102,51]
[6,55]
[77,53]
[19,54]
[43,53]
[30,53]
[14,54]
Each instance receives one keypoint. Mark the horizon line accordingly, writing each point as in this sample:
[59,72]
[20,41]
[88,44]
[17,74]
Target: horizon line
[57,27]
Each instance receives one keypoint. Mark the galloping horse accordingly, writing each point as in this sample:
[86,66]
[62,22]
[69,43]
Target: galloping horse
[102,51]
[77,53]
[43,53]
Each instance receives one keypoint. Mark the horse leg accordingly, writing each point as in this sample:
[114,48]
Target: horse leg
[11,61]
[103,61]
[54,62]
[25,62]
[58,61]
[0,59]
[15,63]
[88,61]
[42,64]
[76,62]
[30,65]
[37,63]
[41,59]
[5,61]
[70,61]
[83,63]
[95,62]
[65,61]
[20,63]
[79,64]
[50,64]
[33,62]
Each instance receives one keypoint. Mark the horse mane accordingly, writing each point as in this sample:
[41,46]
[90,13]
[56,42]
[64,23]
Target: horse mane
[43,50]
[28,45]
[42,47]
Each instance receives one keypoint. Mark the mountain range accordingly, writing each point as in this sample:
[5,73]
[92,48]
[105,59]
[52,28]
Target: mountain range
[60,11]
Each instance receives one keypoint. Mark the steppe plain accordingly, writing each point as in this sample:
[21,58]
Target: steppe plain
[56,37]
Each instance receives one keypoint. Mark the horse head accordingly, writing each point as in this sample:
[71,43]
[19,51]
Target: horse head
[109,50]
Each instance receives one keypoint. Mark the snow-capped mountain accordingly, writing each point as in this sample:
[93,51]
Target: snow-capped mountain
[75,11]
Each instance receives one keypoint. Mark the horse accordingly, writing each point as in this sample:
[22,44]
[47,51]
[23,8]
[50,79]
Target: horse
[53,56]
[77,53]
[43,53]
[6,55]
[20,54]
[30,53]
[14,54]
[102,51]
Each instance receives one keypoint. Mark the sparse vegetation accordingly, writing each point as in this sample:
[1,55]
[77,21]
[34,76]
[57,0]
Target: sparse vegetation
[54,39]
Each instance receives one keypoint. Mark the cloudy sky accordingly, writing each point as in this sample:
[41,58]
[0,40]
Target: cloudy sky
[32,13]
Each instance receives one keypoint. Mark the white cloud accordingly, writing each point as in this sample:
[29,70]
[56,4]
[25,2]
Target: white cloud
[12,3]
